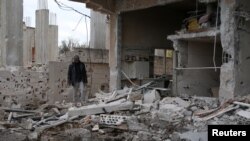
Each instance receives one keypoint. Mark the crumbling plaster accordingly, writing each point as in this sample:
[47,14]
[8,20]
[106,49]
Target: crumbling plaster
[228,41]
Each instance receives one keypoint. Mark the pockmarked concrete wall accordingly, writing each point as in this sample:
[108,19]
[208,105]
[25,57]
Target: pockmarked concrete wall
[96,62]
[24,86]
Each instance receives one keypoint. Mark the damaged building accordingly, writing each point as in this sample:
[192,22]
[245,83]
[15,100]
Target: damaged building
[157,70]
[209,39]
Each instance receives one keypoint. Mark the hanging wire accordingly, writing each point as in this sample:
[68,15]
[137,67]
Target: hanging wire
[87,31]
[78,23]
[68,8]
[215,38]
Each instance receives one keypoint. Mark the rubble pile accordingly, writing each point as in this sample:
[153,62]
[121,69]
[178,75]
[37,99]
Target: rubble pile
[131,114]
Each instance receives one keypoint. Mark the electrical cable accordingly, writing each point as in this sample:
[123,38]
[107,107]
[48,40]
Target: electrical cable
[77,23]
[215,38]
[68,8]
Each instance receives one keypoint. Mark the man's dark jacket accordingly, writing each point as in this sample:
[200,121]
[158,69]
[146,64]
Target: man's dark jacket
[74,75]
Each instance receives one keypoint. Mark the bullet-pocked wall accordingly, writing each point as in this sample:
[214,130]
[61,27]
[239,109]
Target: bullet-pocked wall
[96,62]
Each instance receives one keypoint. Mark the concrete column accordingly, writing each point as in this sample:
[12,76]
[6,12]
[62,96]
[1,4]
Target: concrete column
[180,60]
[228,41]
[98,30]
[115,52]
[11,32]
[107,39]
[41,37]
[242,49]
[53,42]
[28,44]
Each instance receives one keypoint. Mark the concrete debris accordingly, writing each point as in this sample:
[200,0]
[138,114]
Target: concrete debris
[127,114]
[194,136]
[100,108]
[175,100]
[95,128]
[245,114]
[242,104]
[151,96]
[112,119]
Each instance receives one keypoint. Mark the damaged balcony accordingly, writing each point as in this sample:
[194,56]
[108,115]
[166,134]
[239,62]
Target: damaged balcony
[198,54]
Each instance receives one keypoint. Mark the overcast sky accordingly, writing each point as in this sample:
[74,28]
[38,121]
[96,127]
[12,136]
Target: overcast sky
[66,20]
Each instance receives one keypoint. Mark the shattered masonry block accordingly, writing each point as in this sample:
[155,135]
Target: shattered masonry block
[100,108]
[151,96]
[112,119]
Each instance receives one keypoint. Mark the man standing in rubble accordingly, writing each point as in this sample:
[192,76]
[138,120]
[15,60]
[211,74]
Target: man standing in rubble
[77,77]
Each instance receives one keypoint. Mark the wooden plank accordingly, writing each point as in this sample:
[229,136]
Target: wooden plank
[220,112]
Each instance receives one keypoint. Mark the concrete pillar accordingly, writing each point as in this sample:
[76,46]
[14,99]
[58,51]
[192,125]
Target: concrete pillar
[28,44]
[180,60]
[53,42]
[11,32]
[41,37]
[107,42]
[228,40]
[98,30]
[242,50]
[115,52]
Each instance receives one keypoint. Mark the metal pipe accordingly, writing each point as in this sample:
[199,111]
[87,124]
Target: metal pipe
[197,68]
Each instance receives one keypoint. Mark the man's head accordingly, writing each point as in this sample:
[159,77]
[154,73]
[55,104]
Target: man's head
[76,59]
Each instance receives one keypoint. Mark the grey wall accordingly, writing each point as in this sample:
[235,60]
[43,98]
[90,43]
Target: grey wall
[42,38]
[145,30]
[243,50]
[149,28]
[28,44]
[53,42]
[199,82]
[11,32]
[98,29]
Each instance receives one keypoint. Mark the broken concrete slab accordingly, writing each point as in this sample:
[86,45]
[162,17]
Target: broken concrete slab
[170,107]
[175,100]
[167,116]
[242,104]
[245,114]
[151,96]
[134,125]
[100,108]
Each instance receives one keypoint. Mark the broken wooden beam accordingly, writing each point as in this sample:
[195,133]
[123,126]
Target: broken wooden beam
[220,112]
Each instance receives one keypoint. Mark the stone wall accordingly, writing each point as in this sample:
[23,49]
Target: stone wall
[96,62]
[23,86]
